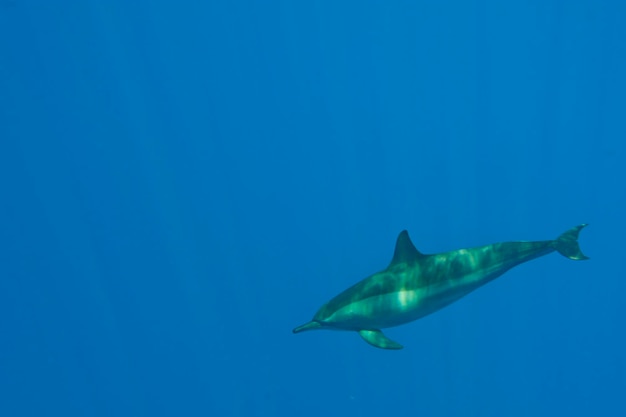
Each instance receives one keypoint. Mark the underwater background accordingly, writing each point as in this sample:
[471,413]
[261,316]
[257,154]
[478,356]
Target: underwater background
[182,183]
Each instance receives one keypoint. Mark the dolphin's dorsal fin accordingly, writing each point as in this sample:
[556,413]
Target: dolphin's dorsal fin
[405,250]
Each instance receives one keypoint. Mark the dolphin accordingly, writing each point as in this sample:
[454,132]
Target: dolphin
[415,284]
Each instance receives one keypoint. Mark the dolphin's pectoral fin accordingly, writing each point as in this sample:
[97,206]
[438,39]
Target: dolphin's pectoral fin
[377,339]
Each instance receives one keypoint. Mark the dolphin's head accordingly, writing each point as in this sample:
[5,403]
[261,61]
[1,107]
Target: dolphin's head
[322,319]
[312,325]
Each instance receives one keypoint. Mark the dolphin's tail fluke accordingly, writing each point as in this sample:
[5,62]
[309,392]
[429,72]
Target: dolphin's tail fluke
[567,244]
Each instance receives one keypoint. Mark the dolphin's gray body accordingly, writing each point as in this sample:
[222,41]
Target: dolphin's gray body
[415,285]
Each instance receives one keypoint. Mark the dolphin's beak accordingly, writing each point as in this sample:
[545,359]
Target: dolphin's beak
[308,326]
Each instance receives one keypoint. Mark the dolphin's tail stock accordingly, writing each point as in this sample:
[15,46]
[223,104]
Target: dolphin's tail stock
[567,244]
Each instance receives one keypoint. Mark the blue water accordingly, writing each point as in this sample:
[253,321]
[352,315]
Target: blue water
[182,183]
